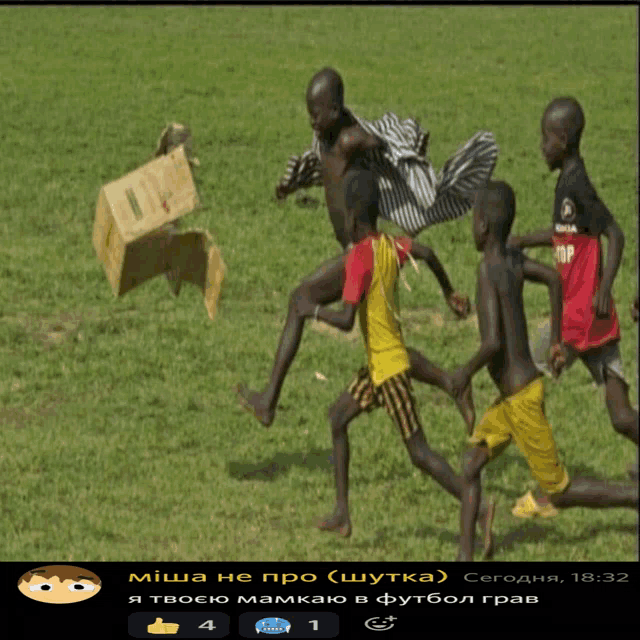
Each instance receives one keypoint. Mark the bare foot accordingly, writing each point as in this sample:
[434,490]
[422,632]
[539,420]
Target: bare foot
[338,523]
[486,515]
[251,401]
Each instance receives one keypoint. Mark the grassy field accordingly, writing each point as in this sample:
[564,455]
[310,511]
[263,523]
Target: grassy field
[120,438]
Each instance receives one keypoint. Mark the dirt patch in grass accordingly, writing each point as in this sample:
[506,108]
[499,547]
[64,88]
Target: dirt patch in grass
[53,331]
[20,417]
[351,336]
[57,330]
[411,319]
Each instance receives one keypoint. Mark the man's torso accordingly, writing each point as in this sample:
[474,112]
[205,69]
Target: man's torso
[335,164]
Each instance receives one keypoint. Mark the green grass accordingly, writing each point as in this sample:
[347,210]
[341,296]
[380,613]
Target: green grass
[120,437]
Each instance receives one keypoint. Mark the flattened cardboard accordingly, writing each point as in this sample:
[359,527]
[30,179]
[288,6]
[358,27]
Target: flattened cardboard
[216,270]
[144,259]
[196,259]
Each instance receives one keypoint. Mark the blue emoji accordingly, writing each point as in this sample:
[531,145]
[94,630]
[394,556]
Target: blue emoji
[273,625]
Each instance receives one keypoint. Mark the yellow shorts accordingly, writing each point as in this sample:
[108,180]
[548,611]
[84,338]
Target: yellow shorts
[521,417]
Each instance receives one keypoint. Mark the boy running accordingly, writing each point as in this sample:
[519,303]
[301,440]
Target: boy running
[342,143]
[590,328]
[519,413]
[371,273]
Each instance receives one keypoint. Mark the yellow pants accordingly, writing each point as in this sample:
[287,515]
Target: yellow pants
[521,417]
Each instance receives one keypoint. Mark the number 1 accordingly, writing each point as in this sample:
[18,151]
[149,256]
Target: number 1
[314,624]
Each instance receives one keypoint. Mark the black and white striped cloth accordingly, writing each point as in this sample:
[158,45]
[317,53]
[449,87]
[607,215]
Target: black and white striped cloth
[411,194]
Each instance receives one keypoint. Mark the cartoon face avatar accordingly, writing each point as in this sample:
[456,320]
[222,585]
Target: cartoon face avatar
[273,625]
[59,584]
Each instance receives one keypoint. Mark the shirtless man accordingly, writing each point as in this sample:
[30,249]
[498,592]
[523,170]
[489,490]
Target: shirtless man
[343,145]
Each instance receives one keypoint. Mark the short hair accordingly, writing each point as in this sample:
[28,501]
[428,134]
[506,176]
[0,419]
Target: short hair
[567,114]
[498,202]
[361,195]
[62,571]
[333,82]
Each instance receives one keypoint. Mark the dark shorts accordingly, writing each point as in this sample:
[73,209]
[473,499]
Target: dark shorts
[601,360]
[395,394]
[598,360]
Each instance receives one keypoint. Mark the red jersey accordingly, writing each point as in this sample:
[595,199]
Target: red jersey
[579,217]
[371,274]
[359,267]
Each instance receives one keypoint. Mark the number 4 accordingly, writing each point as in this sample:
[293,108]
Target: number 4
[207,625]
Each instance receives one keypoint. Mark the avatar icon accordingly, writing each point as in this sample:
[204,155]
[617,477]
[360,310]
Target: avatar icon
[273,625]
[59,584]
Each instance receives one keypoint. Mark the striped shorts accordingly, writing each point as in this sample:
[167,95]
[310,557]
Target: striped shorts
[395,394]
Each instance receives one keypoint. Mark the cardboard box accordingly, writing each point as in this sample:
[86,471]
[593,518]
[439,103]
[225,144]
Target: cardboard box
[195,258]
[131,211]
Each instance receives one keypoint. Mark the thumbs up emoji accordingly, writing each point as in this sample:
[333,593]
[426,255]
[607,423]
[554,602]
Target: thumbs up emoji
[159,627]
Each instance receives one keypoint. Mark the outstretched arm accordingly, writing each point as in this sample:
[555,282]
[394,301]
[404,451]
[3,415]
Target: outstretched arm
[302,172]
[489,323]
[342,319]
[358,270]
[458,303]
[615,237]
[536,272]
[540,238]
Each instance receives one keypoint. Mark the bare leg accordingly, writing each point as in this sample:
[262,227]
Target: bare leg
[425,371]
[323,287]
[623,416]
[434,465]
[596,494]
[473,462]
[341,414]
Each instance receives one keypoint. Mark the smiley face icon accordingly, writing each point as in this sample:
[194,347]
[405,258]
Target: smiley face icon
[59,584]
[380,624]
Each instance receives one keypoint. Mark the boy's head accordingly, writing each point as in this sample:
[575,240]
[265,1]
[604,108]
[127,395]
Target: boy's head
[493,212]
[325,99]
[562,125]
[361,202]
[59,584]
